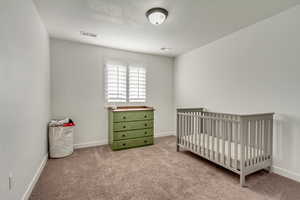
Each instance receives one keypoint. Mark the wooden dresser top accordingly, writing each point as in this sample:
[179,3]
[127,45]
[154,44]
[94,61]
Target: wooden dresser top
[129,108]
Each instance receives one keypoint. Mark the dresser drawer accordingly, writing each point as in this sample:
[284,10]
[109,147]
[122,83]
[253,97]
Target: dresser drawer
[132,116]
[124,126]
[122,135]
[124,144]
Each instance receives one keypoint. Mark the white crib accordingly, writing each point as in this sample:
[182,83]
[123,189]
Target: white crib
[240,143]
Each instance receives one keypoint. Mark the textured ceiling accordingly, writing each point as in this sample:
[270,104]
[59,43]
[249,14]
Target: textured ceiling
[122,23]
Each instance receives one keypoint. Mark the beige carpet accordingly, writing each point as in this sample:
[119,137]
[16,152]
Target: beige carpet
[152,173]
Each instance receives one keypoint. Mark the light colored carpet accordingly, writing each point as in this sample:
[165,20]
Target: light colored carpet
[155,172]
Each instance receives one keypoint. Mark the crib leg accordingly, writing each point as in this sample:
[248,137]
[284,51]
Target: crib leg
[177,148]
[242,181]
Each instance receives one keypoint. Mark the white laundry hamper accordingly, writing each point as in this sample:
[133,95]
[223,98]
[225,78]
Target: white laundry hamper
[61,141]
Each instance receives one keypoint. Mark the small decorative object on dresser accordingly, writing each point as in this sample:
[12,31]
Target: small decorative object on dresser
[130,126]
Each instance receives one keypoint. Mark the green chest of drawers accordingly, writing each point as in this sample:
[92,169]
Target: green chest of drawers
[130,127]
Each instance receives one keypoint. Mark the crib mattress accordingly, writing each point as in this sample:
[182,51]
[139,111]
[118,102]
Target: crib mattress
[209,143]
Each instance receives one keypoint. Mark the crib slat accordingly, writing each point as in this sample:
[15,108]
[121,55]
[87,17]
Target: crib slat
[255,144]
[247,144]
[223,142]
[251,142]
[208,137]
[236,131]
[265,140]
[253,148]
[260,142]
[229,143]
[213,127]
[185,130]
[211,140]
[218,135]
[200,130]
[198,135]
[182,130]
[193,131]
[246,141]
[179,128]
[261,132]
[203,136]
[189,131]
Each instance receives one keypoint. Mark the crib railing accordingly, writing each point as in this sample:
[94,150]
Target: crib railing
[241,143]
[257,140]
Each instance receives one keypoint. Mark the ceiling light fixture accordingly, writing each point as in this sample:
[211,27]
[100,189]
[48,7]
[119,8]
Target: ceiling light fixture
[157,16]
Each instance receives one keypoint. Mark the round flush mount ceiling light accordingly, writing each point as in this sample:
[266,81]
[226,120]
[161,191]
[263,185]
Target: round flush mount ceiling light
[157,16]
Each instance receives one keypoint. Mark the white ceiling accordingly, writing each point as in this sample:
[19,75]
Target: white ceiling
[122,23]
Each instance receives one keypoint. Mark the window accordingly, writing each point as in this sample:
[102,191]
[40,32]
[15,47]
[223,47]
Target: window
[125,84]
[137,84]
[116,83]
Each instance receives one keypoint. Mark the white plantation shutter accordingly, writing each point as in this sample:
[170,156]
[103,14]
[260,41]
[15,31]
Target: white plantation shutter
[116,83]
[137,84]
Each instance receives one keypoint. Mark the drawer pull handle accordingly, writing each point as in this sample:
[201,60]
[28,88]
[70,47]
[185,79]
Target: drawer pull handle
[146,124]
[124,117]
[145,116]
[145,132]
[123,135]
[124,144]
[124,126]
[145,141]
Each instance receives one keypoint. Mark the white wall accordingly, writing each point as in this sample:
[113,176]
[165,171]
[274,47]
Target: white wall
[24,91]
[78,87]
[256,69]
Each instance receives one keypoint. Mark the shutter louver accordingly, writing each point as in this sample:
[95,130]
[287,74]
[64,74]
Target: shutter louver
[116,83]
[137,84]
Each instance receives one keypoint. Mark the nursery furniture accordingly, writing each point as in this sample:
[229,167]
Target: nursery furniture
[130,126]
[240,143]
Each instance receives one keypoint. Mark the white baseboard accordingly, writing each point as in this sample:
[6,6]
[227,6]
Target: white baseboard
[35,178]
[163,134]
[104,142]
[286,173]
